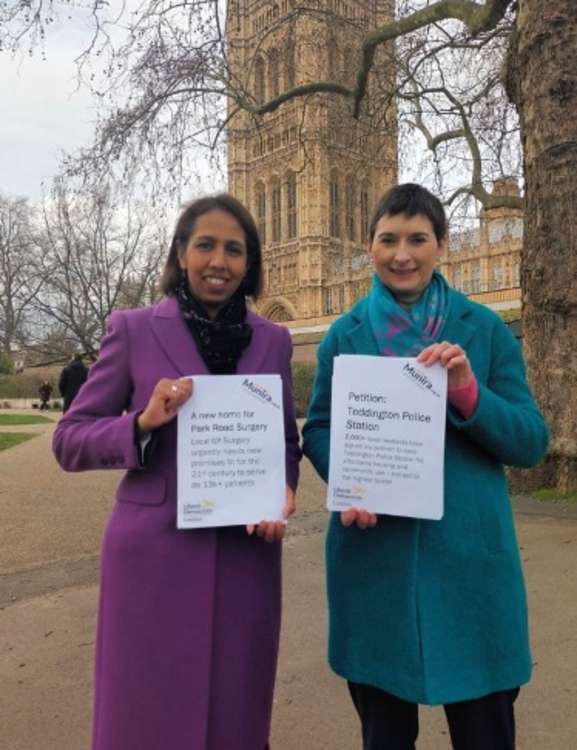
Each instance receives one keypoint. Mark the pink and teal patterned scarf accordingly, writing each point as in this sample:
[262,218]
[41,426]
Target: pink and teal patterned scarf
[405,333]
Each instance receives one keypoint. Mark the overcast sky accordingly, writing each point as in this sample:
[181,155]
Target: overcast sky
[41,112]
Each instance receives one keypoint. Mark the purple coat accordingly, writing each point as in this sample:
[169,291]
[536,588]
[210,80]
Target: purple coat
[188,621]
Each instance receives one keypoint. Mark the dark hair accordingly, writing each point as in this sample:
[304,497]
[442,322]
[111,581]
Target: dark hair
[252,282]
[410,199]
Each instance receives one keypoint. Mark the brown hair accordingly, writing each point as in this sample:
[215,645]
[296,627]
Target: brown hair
[252,282]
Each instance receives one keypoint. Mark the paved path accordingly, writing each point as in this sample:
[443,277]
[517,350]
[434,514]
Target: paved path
[50,526]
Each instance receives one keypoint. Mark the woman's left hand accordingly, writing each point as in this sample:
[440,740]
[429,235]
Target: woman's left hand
[451,356]
[273,531]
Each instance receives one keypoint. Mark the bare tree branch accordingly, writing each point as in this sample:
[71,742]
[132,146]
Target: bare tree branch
[101,252]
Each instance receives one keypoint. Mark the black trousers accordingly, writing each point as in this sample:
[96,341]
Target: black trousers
[389,723]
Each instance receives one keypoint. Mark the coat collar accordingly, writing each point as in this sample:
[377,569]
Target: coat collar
[456,329]
[177,343]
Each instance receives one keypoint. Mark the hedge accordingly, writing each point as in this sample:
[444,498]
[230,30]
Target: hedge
[303,376]
[24,385]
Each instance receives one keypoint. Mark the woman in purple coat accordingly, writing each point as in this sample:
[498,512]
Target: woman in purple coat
[188,622]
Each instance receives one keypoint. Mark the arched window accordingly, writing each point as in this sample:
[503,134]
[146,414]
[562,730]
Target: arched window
[475,277]
[258,145]
[348,66]
[273,74]
[364,212]
[350,209]
[457,278]
[497,281]
[290,73]
[261,211]
[279,313]
[291,205]
[276,211]
[259,83]
[515,274]
[332,61]
[335,206]
[333,299]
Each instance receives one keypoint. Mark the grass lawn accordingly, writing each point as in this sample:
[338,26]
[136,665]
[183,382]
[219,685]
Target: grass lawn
[9,420]
[10,439]
[552,496]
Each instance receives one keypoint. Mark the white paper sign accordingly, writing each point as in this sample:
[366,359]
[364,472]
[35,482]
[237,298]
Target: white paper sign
[387,436]
[231,452]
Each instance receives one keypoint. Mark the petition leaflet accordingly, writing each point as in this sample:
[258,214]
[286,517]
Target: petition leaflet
[387,436]
[231,452]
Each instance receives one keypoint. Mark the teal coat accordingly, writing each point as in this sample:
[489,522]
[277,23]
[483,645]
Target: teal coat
[435,611]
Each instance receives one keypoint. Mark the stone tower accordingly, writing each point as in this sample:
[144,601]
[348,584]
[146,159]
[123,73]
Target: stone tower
[309,172]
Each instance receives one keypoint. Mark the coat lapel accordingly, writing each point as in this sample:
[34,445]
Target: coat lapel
[361,340]
[175,340]
[252,358]
[360,336]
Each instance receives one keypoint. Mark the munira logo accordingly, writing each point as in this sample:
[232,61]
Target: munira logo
[419,378]
[260,392]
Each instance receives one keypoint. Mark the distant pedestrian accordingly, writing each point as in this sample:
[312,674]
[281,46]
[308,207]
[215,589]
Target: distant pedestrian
[45,391]
[71,379]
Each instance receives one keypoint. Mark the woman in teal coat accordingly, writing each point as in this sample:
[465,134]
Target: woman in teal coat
[421,611]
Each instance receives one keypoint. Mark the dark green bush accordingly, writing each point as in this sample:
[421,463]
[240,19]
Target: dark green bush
[6,364]
[303,376]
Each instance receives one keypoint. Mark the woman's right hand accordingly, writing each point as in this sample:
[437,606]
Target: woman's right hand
[362,518]
[166,399]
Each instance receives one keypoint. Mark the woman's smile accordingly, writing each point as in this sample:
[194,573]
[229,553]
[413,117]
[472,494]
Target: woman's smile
[403,271]
[216,281]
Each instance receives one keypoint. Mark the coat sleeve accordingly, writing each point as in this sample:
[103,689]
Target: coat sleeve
[507,422]
[96,433]
[293,451]
[317,429]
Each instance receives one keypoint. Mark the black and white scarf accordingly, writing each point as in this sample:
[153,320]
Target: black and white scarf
[222,341]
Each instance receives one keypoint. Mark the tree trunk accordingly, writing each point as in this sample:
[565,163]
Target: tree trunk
[546,98]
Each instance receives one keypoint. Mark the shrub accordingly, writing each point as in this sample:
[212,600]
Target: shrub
[6,364]
[303,376]
[24,385]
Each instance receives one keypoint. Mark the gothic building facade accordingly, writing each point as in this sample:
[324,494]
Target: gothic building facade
[309,171]
[484,262]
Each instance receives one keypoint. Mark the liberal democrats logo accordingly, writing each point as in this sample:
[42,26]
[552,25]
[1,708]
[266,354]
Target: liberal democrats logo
[356,492]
